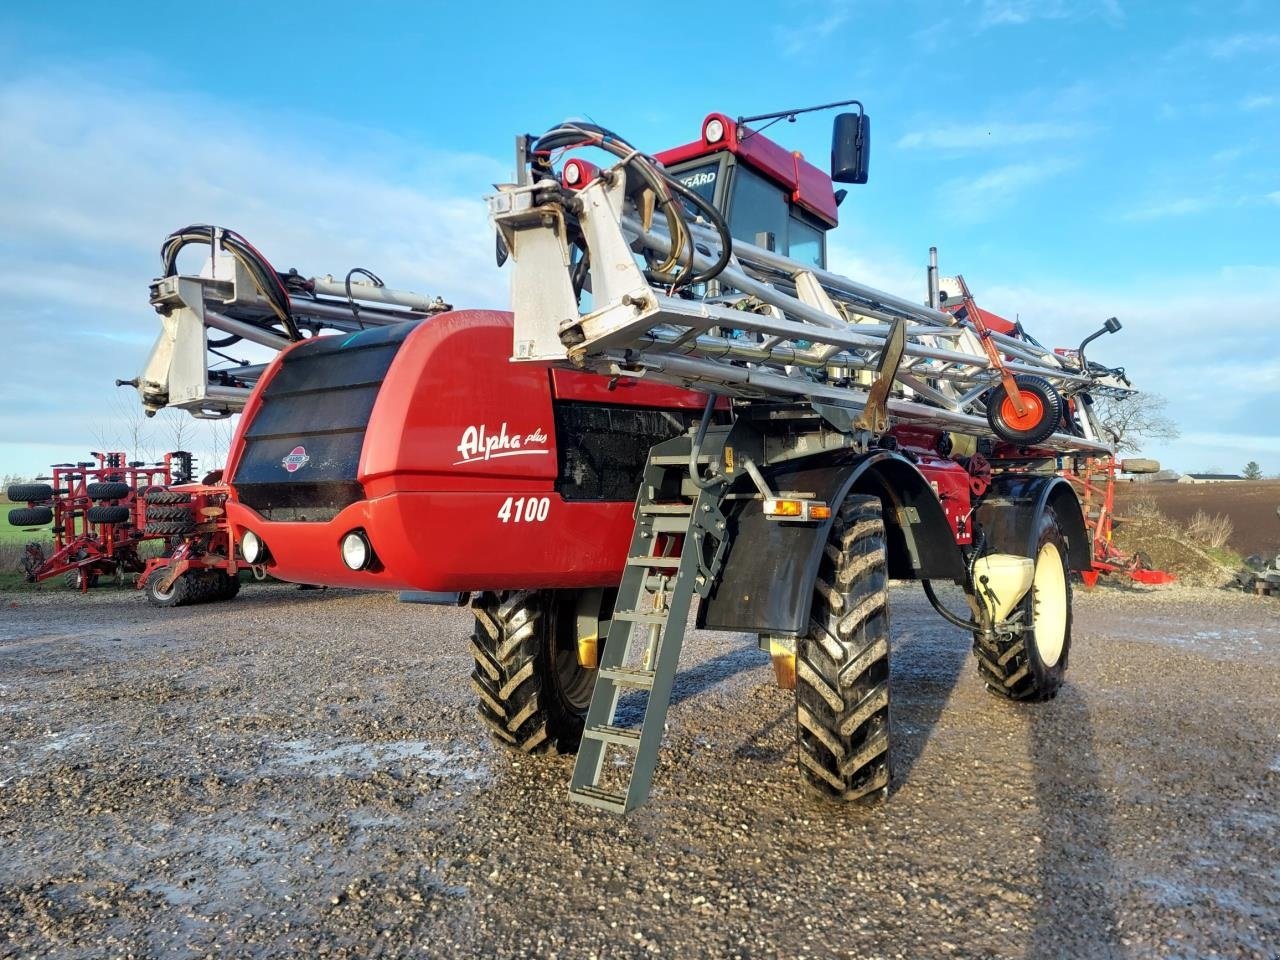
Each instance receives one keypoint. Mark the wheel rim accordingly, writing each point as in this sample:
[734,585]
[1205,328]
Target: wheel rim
[156,592]
[1030,419]
[1049,620]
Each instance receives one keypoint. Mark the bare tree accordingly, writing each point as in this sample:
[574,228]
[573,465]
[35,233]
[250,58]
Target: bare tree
[135,428]
[179,428]
[1135,420]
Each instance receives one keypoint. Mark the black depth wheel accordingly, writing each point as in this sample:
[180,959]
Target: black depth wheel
[175,596]
[533,692]
[842,664]
[1042,405]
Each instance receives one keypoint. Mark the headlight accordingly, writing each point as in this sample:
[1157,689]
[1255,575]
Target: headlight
[356,553]
[252,547]
[714,131]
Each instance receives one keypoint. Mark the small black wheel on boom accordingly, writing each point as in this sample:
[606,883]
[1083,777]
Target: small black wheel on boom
[177,593]
[107,514]
[533,692]
[29,492]
[1032,666]
[842,665]
[109,490]
[1042,411]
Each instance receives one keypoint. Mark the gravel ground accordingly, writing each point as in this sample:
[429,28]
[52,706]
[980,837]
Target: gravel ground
[306,778]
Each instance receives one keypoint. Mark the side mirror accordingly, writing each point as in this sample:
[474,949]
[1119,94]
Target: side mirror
[850,147]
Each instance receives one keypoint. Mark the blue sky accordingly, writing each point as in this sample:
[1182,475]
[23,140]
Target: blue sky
[1075,159]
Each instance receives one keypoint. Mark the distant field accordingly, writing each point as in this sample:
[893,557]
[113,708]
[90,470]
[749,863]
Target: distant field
[1250,504]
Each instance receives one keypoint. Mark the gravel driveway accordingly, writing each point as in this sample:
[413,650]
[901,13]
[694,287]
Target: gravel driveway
[300,773]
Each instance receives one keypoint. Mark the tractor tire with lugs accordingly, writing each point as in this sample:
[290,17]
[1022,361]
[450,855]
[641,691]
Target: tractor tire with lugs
[842,664]
[179,512]
[107,491]
[1031,666]
[29,492]
[108,515]
[30,516]
[161,495]
[533,693]
[168,528]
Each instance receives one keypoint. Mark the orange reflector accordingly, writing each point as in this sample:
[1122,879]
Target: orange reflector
[796,510]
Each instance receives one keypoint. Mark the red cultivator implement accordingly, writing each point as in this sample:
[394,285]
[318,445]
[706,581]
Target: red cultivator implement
[96,508]
[102,511]
[1094,479]
[200,565]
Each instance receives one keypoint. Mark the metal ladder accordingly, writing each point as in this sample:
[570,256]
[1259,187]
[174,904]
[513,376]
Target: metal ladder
[641,654]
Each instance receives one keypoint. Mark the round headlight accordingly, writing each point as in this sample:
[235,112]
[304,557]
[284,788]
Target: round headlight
[252,547]
[572,174]
[355,550]
[714,131]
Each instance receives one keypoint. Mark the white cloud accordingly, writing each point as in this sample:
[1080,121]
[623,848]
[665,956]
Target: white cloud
[982,136]
[1017,12]
[1243,44]
[810,35]
[1258,102]
[94,178]
[1176,207]
[997,188]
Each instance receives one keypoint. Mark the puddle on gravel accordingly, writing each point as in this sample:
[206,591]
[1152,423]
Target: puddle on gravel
[334,759]
[1226,642]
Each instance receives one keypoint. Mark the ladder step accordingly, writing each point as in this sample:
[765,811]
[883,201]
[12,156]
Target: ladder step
[604,799]
[653,561]
[675,460]
[670,524]
[679,509]
[632,617]
[628,677]
[622,736]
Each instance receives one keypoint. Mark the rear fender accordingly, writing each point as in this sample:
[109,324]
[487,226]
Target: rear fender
[1009,516]
[768,578]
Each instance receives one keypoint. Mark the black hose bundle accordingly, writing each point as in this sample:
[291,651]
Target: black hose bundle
[666,188]
[265,278]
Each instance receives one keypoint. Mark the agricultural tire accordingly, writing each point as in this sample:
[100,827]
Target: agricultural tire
[227,585]
[72,579]
[533,693]
[161,495]
[178,594]
[1044,408]
[1031,666]
[168,528]
[180,512]
[30,516]
[107,491]
[842,663]
[101,514]
[29,492]
[1140,465]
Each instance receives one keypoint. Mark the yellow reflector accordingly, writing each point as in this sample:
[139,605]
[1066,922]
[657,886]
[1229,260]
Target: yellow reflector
[819,512]
[783,508]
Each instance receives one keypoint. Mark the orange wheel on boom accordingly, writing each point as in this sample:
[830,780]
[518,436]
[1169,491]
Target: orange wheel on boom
[1042,411]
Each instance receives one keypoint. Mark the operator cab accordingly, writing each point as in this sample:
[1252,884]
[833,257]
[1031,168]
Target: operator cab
[771,197]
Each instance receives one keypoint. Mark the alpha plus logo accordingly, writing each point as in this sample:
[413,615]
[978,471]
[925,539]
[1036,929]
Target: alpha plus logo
[296,459]
[484,443]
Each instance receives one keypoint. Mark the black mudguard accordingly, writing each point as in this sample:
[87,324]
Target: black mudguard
[1009,516]
[766,585]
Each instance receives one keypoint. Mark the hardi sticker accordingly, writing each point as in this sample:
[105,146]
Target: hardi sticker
[483,443]
[295,459]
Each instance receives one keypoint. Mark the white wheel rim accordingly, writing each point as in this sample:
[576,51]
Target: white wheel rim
[1049,593]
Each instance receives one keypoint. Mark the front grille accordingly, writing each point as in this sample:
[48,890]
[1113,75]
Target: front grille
[313,415]
[603,448]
